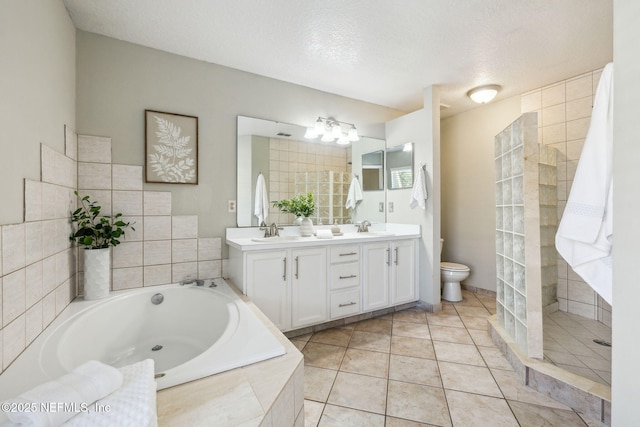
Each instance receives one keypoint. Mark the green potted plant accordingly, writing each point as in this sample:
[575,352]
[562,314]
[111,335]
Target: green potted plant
[302,206]
[96,234]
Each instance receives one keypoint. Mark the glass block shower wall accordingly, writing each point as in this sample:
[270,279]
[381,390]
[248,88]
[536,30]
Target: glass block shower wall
[330,188]
[525,229]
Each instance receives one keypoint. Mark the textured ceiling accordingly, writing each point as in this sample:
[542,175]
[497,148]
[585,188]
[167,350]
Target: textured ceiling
[380,51]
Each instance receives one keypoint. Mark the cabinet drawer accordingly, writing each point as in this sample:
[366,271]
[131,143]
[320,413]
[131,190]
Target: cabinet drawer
[345,253]
[345,303]
[344,275]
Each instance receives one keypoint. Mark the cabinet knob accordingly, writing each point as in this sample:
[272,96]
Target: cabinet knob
[351,276]
[347,304]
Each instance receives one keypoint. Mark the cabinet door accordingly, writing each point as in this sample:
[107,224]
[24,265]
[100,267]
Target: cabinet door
[308,286]
[375,275]
[267,285]
[403,272]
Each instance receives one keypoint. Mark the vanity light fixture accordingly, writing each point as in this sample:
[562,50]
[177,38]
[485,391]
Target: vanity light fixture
[483,94]
[331,130]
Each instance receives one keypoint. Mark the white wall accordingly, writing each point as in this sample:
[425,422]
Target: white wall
[625,386]
[421,127]
[468,188]
[117,81]
[37,47]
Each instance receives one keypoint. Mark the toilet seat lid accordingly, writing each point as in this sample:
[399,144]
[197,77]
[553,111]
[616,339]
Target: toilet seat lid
[453,266]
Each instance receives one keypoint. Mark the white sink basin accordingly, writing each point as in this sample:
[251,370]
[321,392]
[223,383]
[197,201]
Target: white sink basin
[275,239]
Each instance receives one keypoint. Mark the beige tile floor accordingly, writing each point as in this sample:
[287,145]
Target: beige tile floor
[568,343]
[414,368]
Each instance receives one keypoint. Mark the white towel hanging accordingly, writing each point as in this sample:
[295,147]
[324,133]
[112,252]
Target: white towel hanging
[261,210]
[419,190]
[355,194]
[585,233]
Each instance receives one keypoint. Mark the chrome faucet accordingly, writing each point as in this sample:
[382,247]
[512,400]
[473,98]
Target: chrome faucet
[363,227]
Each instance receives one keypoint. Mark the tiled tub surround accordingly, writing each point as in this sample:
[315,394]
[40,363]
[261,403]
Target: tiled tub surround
[564,113]
[525,229]
[414,368]
[38,280]
[164,248]
[266,394]
[38,271]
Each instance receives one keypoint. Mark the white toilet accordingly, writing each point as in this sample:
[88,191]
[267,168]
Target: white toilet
[452,274]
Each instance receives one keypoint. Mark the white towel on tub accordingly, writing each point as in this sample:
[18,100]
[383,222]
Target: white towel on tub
[70,393]
[585,233]
[132,405]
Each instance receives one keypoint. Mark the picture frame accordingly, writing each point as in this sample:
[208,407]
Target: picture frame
[171,148]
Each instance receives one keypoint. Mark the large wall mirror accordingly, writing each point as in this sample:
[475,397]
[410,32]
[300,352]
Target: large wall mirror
[291,165]
[399,168]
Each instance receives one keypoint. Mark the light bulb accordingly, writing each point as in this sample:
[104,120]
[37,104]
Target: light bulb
[327,137]
[353,134]
[310,133]
[343,140]
[319,127]
[336,130]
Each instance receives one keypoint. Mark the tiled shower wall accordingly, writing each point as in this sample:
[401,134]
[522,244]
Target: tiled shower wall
[564,114]
[287,157]
[525,230]
[38,273]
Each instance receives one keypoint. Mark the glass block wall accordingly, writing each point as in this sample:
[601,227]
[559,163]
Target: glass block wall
[525,230]
[330,189]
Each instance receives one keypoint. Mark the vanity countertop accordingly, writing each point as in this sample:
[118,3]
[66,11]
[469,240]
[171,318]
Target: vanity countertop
[252,238]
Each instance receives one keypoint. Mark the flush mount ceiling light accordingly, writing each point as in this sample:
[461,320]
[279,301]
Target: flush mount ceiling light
[330,130]
[483,94]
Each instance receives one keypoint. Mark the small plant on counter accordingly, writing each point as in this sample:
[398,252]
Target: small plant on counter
[303,205]
[95,231]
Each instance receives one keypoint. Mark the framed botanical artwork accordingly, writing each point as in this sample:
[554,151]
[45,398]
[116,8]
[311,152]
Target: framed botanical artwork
[171,148]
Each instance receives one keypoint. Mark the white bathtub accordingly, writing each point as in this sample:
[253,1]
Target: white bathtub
[202,331]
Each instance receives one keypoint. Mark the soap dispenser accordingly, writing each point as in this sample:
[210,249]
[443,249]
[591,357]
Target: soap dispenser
[335,229]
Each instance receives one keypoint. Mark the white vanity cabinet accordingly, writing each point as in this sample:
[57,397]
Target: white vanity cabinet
[304,281]
[267,284]
[344,281]
[308,287]
[289,286]
[389,273]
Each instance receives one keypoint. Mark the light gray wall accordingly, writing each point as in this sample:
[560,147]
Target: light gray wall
[468,188]
[117,81]
[625,386]
[421,127]
[37,83]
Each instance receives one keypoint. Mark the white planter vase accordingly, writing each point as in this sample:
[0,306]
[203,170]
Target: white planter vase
[97,273]
[306,227]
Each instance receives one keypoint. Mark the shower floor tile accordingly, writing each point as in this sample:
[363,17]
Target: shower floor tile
[569,344]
